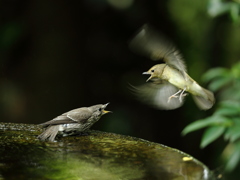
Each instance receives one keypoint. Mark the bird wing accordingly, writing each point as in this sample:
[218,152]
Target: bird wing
[58,120]
[151,44]
[80,115]
[157,94]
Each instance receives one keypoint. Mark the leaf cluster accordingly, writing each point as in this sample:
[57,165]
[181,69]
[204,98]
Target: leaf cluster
[225,121]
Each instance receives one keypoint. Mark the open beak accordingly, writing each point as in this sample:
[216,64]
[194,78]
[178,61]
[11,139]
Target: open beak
[104,111]
[148,73]
[106,104]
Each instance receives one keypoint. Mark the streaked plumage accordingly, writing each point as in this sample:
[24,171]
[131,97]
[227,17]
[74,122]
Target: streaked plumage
[73,122]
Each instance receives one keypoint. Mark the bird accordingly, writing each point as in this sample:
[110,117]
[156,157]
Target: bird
[73,122]
[169,83]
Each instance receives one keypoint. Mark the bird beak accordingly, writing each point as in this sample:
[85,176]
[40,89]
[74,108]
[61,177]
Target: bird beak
[149,78]
[104,111]
[148,73]
[107,104]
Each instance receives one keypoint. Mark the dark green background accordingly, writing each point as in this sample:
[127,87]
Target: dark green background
[59,55]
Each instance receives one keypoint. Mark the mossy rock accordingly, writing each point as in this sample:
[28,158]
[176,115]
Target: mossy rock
[100,156]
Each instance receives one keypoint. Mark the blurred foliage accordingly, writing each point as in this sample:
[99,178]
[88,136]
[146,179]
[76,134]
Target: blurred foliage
[225,121]
[219,7]
[56,56]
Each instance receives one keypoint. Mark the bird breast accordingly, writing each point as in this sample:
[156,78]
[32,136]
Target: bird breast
[174,77]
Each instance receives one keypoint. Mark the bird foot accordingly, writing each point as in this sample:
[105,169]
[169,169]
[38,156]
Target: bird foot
[182,94]
[172,96]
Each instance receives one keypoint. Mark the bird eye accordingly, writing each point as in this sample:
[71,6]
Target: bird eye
[152,70]
[100,109]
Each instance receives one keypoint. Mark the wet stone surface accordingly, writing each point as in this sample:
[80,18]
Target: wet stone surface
[99,155]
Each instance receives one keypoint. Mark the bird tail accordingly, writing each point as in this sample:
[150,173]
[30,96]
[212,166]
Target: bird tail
[50,133]
[204,101]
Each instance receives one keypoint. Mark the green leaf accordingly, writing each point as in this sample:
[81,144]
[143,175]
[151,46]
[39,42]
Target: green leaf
[230,104]
[231,93]
[227,111]
[234,158]
[233,132]
[235,70]
[217,84]
[214,73]
[211,134]
[196,126]
[210,121]
[228,108]
[234,11]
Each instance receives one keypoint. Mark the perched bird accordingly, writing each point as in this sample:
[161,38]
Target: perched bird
[73,122]
[169,81]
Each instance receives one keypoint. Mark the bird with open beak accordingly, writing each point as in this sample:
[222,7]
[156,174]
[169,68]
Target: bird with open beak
[169,82]
[73,122]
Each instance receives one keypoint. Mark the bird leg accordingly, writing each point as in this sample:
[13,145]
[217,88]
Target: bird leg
[175,95]
[181,95]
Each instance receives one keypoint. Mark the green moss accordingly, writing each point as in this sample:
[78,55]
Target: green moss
[99,155]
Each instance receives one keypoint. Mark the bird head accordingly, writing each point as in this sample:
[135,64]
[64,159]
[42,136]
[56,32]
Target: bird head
[155,71]
[99,109]
[103,109]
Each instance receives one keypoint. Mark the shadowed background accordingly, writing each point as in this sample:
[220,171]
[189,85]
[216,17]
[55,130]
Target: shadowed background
[57,56]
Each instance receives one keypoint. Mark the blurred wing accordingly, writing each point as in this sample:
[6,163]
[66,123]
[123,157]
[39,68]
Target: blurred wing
[157,95]
[150,43]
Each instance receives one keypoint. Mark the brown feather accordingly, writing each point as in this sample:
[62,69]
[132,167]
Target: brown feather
[50,133]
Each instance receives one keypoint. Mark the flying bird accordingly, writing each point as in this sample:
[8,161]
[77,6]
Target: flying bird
[169,83]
